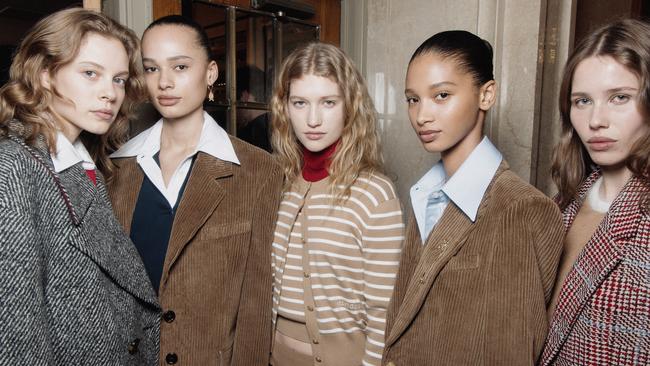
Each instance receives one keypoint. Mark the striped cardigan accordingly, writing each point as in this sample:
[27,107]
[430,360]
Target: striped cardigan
[354,248]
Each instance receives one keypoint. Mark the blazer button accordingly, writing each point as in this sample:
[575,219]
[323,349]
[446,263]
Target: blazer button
[171,358]
[133,346]
[169,316]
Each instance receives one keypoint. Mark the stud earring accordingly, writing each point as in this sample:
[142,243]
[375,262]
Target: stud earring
[210,94]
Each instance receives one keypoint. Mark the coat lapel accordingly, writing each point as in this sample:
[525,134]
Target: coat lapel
[602,253]
[130,178]
[443,242]
[203,193]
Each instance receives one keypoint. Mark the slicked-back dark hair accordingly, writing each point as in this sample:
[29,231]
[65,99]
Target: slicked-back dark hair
[201,36]
[470,51]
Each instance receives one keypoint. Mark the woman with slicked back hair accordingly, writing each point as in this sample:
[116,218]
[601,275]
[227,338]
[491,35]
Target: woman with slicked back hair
[600,313]
[73,290]
[200,207]
[339,231]
[482,246]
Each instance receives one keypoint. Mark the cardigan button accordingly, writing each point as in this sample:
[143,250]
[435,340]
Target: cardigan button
[310,308]
[315,341]
[318,359]
[171,358]
[306,274]
[169,316]
[391,363]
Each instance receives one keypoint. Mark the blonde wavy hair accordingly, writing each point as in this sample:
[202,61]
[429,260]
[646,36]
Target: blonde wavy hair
[51,44]
[358,150]
[628,42]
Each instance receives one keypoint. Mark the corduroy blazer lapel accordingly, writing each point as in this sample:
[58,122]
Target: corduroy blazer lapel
[602,253]
[203,193]
[131,175]
[443,242]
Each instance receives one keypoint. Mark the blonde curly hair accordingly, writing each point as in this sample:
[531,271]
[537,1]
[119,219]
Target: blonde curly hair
[358,150]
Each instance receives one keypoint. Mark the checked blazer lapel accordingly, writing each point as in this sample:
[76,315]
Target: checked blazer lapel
[445,240]
[602,253]
[203,193]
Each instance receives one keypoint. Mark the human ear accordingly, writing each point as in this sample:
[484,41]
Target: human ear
[487,95]
[46,80]
[212,73]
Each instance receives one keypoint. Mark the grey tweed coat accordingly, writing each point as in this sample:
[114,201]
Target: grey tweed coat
[73,290]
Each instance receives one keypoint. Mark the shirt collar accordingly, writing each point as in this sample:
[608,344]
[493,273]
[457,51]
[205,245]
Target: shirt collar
[469,183]
[214,141]
[430,182]
[69,154]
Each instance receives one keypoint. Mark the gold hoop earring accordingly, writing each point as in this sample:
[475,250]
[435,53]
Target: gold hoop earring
[210,94]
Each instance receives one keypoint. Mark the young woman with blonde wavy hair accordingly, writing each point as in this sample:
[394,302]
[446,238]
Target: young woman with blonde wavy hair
[339,231]
[73,289]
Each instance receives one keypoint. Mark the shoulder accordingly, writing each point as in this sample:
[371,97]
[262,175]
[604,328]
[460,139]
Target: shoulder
[376,186]
[19,171]
[254,160]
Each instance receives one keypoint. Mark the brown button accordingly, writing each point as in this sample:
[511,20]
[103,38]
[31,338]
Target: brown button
[310,308]
[169,316]
[171,358]
[315,341]
[306,274]
[318,359]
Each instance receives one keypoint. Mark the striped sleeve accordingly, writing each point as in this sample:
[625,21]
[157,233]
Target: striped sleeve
[382,245]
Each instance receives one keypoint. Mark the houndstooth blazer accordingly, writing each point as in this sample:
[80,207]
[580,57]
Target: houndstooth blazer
[73,290]
[603,312]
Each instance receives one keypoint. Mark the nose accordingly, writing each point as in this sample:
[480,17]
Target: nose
[598,118]
[314,117]
[108,91]
[165,80]
[424,113]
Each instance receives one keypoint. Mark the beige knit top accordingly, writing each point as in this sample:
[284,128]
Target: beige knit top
[341,291]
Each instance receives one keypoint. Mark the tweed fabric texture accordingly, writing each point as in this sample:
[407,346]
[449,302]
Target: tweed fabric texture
[603,311]
[73,290]
[476,293]
[217,271]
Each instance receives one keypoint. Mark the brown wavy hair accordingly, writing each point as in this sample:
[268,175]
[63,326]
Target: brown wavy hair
[51,44]
[628,42]
[358,150]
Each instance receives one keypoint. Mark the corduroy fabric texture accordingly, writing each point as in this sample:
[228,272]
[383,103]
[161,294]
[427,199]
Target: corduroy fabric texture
[603,310]
[476,293]
[217,272]
[73,290]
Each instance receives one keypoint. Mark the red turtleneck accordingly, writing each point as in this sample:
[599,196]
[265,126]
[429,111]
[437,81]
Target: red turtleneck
[316,163]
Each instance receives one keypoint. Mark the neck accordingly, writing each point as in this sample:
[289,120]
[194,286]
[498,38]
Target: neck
[614,179]
[316,164]
[454,157]
[182,133]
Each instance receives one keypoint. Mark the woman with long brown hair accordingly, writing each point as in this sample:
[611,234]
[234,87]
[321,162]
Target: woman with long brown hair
[600,309]
[339,231]
[73,289]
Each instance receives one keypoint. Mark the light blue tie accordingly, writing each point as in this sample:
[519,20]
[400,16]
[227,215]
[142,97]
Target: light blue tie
[433,212]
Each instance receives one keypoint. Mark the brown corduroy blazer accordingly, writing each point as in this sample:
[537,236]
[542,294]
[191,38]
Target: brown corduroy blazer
[476,293]
[217,272]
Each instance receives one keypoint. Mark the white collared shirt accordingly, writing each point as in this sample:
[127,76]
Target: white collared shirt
[69,154]
[465,188]
[213,141]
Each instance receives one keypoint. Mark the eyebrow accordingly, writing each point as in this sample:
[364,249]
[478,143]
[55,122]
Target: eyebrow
[608,91]
[173,58]
[434,86]
[96,65]
[324,97]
